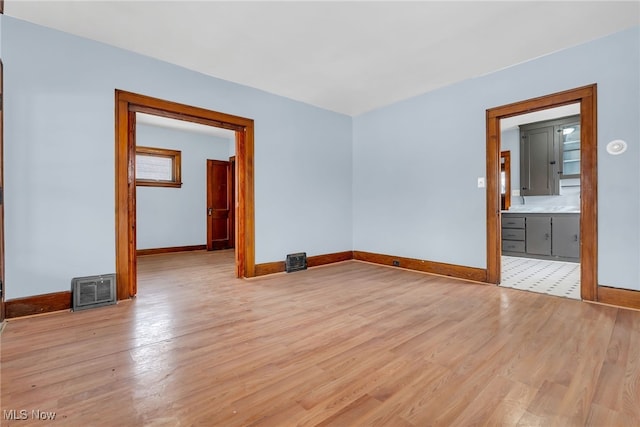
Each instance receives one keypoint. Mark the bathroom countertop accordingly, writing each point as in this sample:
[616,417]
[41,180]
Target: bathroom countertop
[523,209]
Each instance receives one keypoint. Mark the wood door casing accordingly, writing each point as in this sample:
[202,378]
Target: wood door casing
[127,104]
[587,97]
[220,229]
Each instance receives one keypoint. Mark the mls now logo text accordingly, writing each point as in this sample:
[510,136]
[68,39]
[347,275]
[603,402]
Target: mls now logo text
[23,414]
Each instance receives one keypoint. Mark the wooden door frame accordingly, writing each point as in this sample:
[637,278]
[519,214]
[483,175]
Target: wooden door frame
[127,104]
[586,96]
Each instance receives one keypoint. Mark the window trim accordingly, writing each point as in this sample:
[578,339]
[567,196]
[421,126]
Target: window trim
[176,162]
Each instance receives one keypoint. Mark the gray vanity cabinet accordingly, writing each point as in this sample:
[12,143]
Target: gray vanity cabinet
[538,235]
[542,235]
[513,234]
[566,236]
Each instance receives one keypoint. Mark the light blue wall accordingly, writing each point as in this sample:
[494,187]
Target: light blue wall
[169,217]
[416,162]
[399,180]
[59,157]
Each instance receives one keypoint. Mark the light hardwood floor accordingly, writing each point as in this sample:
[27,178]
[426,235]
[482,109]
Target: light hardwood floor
[346,344]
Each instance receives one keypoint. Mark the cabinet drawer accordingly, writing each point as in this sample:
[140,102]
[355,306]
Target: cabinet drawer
[512,234]
[512,246]
[512,222]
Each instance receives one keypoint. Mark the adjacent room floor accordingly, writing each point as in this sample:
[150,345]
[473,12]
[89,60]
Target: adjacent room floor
[557,278]
[348,344]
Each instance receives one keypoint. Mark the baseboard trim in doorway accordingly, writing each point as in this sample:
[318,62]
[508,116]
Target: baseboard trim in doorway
[38,304]
[312,261]
[619,297]
[155,251]
[440,268]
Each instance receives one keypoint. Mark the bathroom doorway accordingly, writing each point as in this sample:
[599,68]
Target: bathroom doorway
[585,97]
[540,201]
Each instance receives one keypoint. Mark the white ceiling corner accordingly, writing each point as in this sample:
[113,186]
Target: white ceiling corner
[349,56]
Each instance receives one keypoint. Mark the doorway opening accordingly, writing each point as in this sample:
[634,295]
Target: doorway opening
[585,97]
[127,105]
[541,226]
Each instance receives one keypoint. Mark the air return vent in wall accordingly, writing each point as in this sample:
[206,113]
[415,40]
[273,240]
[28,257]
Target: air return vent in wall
[93,291]
[296,262]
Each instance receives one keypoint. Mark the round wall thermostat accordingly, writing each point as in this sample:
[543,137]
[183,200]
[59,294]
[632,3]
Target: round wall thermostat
[616,147]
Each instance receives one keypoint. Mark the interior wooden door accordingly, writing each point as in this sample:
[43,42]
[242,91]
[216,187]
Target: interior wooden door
[219,208]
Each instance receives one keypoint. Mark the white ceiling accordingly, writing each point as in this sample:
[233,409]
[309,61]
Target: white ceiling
[350,56]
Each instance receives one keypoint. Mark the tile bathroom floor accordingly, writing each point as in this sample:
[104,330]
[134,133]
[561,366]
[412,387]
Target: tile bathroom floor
[548,277]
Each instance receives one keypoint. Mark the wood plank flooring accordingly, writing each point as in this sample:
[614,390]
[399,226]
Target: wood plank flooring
[342,345]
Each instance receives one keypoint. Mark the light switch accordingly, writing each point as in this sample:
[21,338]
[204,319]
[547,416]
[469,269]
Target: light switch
[515,192]
[481,182]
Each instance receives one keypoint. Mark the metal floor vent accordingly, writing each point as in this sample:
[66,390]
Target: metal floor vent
[93,291]
[296,262]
